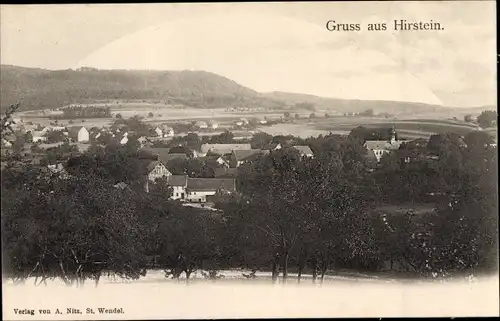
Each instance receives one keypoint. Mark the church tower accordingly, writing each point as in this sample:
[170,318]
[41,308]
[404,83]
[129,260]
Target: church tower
[392,134]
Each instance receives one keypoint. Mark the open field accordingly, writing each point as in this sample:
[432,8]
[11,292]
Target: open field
[407,128]
[152,298]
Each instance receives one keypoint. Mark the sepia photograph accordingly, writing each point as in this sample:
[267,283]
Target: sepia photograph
[249,160]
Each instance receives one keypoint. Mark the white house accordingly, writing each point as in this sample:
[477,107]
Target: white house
[381,147]
[78,134]
[178,183]
[305,151]
[38,136]
[201,190]
[158,131]
[124,140]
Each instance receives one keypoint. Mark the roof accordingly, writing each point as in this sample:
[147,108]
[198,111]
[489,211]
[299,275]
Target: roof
[73,131]
[304,150]
[223,148]
[148,165]
[242,155]
[225,172]
[170,157]
[211,184]
[382,144]
[162,153]
[121,185]
[177,180]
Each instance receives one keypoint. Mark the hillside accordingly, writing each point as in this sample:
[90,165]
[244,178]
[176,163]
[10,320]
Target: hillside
[378,106]
[45,89]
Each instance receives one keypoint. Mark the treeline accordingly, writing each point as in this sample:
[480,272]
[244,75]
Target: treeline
[74,112]
[290,214]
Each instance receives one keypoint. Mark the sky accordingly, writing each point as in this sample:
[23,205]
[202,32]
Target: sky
[273,46]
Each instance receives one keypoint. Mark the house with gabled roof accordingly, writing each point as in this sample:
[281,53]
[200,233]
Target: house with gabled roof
[381,147]
[304,151]
[201,190]
[222,149]
[154,170]
[239,157]
[78,134]
[178,183]
[225,172]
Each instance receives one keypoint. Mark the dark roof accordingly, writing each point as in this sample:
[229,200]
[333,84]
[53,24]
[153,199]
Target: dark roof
[248,154]
[225,172]
[211,184]
[170,157]
[177,180]
[161,153]
[222,149]
[73,131]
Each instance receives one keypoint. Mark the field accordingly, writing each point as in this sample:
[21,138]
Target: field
[156,298]
[406,128]
[409,128]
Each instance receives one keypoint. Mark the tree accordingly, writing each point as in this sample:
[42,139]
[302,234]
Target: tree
[119,116]
[150,114]
[55,136]
[287,114]
[261,140]
[487,118]
[468,118]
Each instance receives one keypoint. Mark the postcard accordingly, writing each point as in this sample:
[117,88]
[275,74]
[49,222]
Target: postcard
[249,160]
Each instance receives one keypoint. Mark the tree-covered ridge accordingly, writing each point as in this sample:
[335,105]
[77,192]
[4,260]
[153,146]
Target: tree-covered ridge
[45,89]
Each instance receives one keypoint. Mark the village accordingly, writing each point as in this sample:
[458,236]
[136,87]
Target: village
[227,157]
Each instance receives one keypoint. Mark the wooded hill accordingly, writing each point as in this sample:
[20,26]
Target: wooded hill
[46,89]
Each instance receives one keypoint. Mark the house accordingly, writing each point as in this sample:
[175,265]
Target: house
[215,158]
[381,147]
[58,169]
[6,143]
[38,136]
[226,172]
[304,151]
[158,131]
[154,170]
[201,190]
[275,146]
[179,185]
[201,124]
[47,129]
[239,157]
[160,154]
[78,134]
[213,125]
[124,140]
[142,140]
[222,149]
[173,156]
[121,185]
